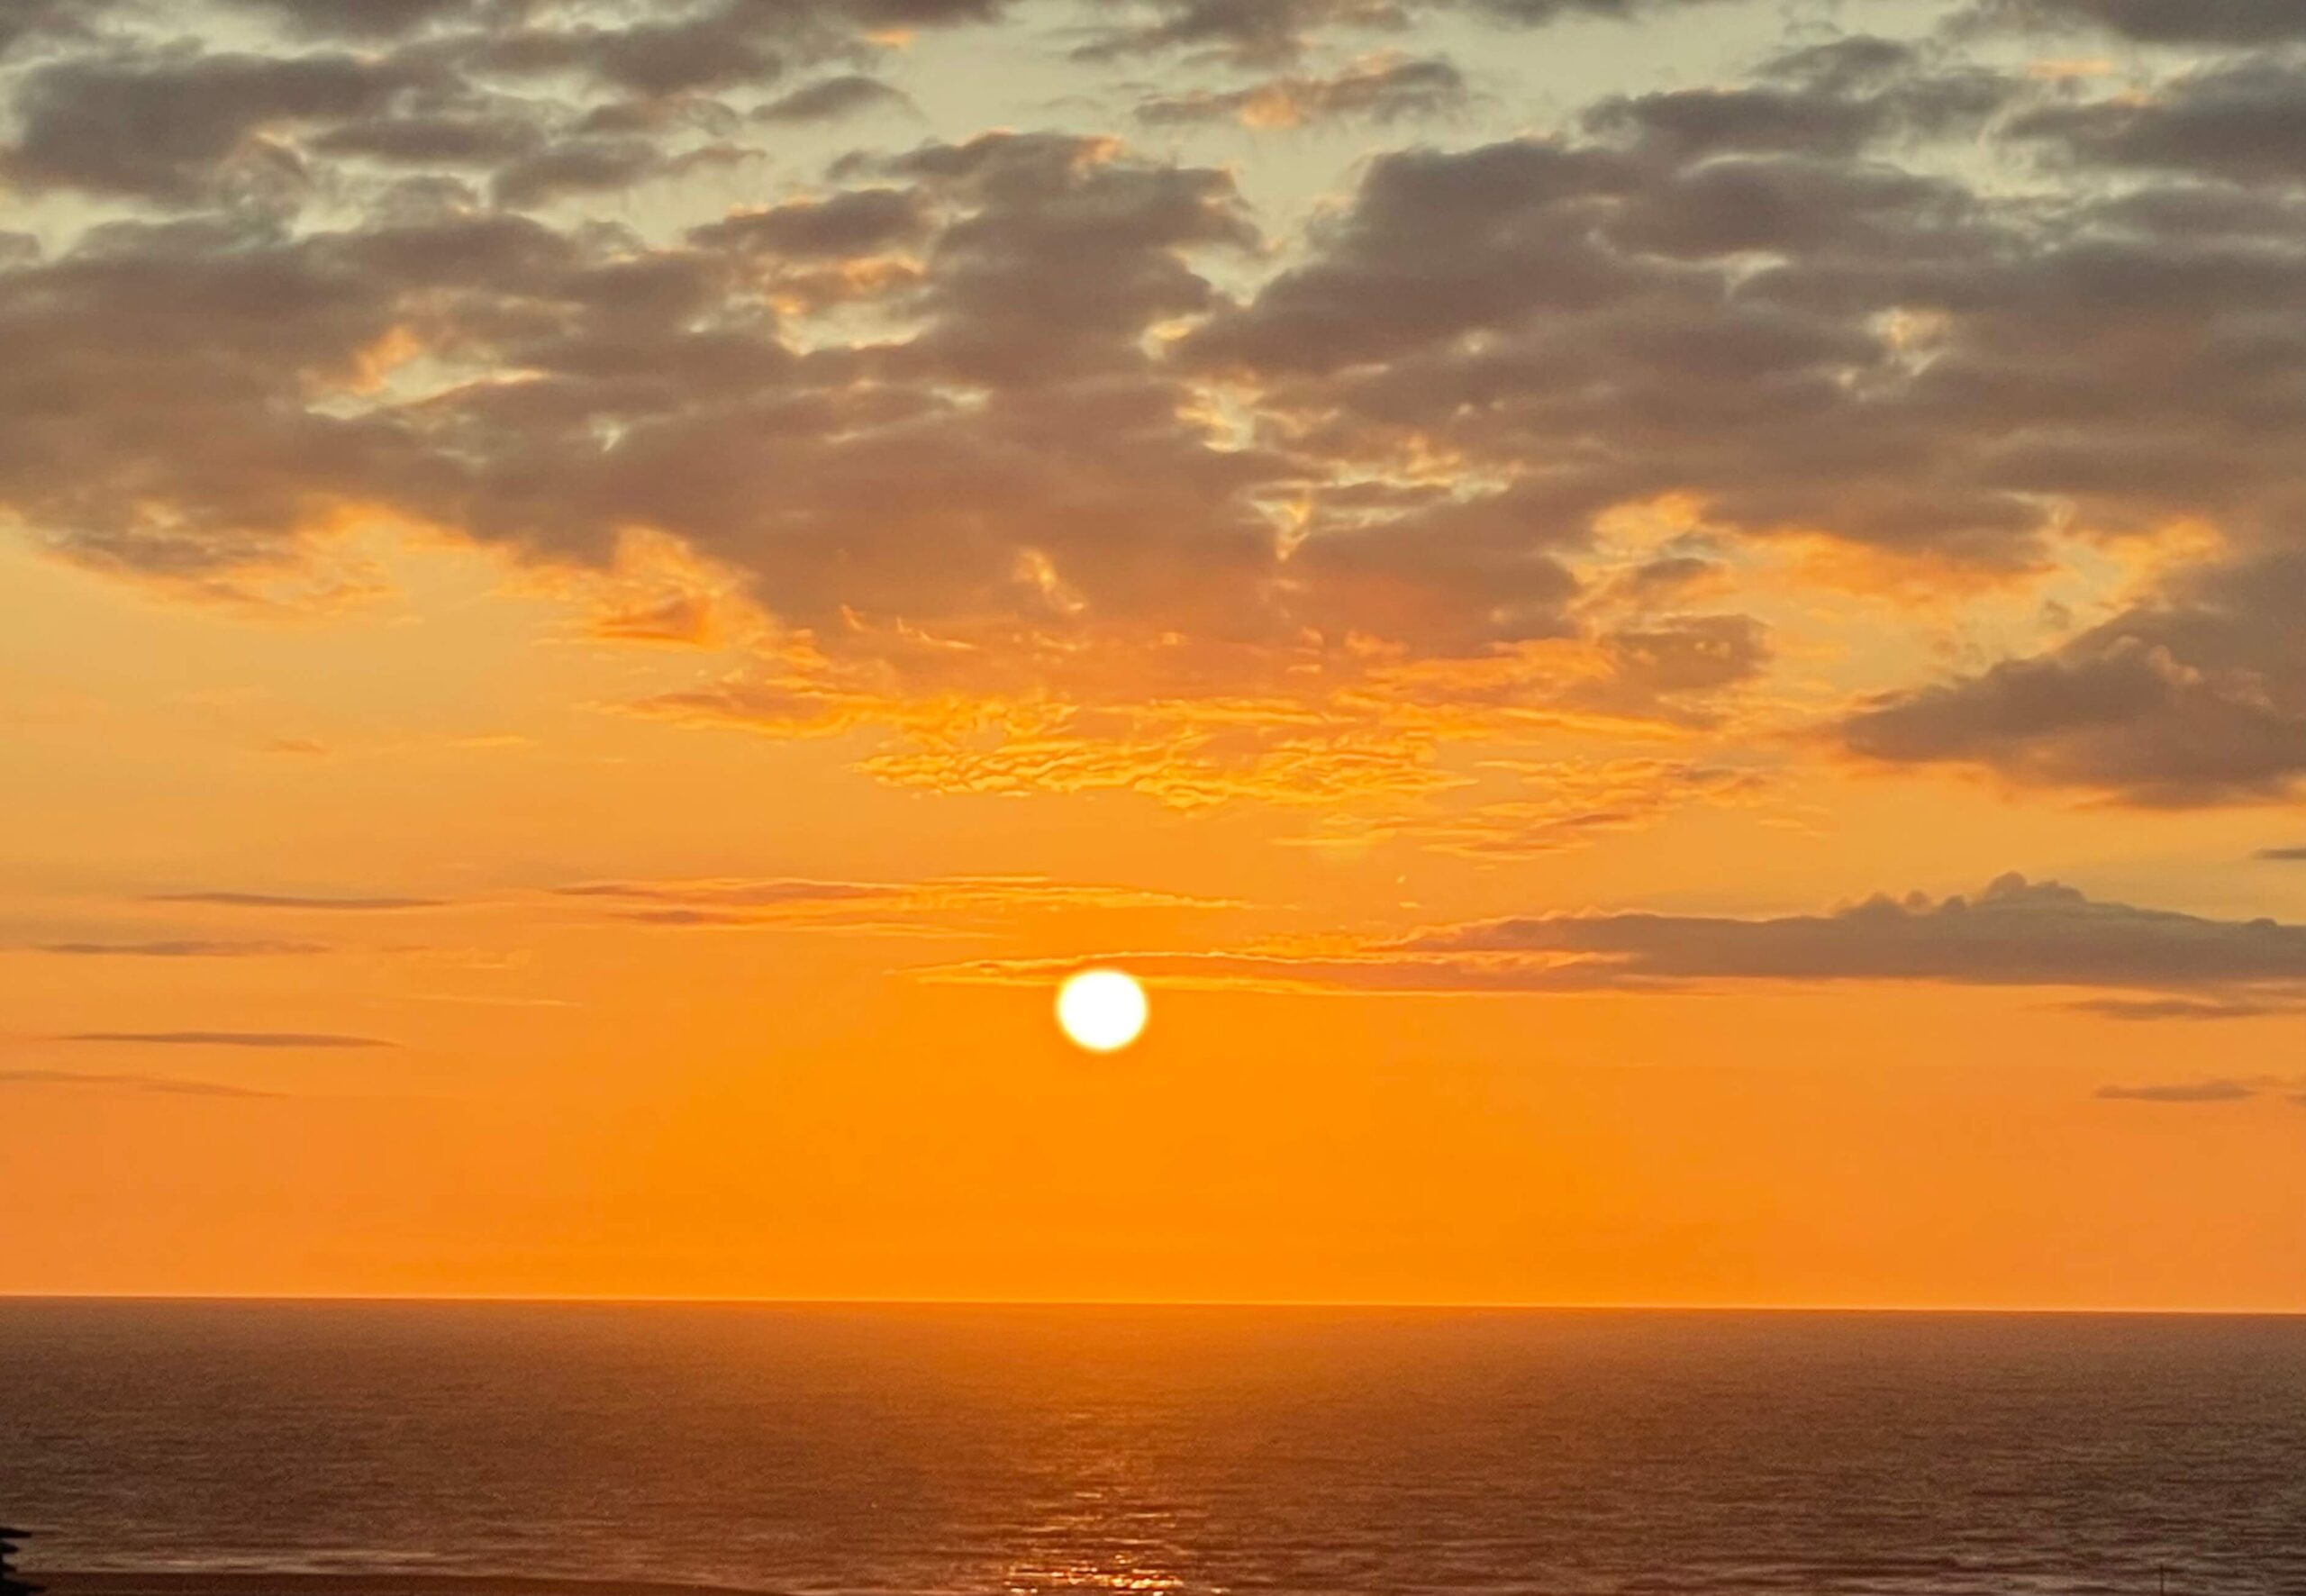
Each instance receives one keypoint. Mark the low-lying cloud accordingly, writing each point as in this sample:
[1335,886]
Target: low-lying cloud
[2014,933]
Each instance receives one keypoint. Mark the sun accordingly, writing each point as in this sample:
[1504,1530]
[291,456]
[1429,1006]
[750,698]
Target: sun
[1102,1010]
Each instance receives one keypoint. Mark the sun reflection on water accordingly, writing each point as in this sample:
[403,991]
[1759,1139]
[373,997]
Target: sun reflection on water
[1098,1540]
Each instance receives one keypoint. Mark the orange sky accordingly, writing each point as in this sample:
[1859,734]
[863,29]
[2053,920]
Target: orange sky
[1673,647]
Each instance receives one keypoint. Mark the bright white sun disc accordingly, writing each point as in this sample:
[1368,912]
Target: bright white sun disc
[1101,1010]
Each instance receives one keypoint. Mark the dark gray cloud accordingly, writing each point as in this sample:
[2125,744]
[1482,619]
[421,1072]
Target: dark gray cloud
[2244,122]
[1379,91]
[701,52]
[1435,246]
[2285,855]
[163,1085]
[451,136]
[1730,293]
[1532,13]
[1270,32]
[287,1039]
[384,20]
[1584,305]
[377,20]
[1245,32]
[1063,259]
[133,115]
[165,377]
[697,47]
[829,99]
[2198,699]
[1761,119]
[2015,933]
[1688,654]
[1771,297]
[1743,295]
[1455,576]
[171,357]
[2199,695]
[1831,99]
[181,127]
[856,221]
[25,23]
[575,166]
[2232,23]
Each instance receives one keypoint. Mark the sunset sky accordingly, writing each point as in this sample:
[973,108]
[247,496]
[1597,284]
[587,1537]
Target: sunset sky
[1673,633]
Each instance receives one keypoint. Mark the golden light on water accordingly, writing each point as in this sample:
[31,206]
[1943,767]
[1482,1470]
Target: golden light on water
[1103,1010]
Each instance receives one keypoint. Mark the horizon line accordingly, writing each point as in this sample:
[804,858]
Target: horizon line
[1308,1304]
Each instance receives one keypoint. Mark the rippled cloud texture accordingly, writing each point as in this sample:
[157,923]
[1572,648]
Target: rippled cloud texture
[1052,434]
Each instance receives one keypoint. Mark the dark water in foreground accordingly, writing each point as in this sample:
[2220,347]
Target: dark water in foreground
[927,1450]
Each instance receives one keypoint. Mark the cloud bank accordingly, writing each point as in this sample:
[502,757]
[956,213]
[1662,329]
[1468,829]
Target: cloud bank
[1052,461]
[2015,933]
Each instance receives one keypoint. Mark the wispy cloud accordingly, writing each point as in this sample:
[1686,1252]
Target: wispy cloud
[182,947]
[160,1085]
[930,906]
[1568,803]
[2198,1092]
[2181,1008]
[237,900]
[831,98]
[1387,970]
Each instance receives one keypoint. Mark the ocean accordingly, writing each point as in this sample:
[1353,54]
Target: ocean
[913,1451]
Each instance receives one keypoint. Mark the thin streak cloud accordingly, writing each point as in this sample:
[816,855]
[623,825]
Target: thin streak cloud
[182,947]
[237,900]
[159,1086]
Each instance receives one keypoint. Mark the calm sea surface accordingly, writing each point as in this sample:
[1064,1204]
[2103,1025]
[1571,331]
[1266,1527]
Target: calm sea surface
[927,1450]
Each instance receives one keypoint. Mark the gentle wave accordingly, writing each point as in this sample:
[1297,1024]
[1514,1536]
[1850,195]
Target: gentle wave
[217,1450]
